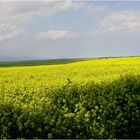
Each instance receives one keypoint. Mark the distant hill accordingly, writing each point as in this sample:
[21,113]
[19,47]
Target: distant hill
[11,58]
[37,62]
[6,58]
[12,62]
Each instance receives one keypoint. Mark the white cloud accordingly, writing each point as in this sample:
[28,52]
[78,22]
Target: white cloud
[126,21]
[16,15]
[12,34]
[94,9]
[56,34]
[8,32]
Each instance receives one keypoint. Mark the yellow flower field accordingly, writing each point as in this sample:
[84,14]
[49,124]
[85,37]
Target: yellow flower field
[28,94]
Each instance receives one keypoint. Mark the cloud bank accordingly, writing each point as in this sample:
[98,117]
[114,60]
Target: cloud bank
[55,34]
[126,21]
[15,16]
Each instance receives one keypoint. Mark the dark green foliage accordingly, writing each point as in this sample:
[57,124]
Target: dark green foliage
[39,62]
[105,110]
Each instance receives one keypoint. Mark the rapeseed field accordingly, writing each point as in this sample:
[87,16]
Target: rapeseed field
[95,98]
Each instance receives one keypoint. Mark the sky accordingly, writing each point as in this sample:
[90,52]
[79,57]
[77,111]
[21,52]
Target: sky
[43,29]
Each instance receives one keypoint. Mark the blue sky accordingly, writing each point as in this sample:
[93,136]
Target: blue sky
[68,29]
